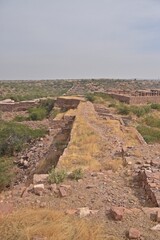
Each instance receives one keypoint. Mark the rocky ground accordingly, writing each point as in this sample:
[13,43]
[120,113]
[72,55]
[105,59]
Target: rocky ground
[123,200]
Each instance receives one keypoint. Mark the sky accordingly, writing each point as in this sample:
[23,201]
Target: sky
[74,39]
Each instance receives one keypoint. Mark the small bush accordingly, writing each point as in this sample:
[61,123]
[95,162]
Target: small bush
[5,173]
[123,109]
[149,134]
[47,104]
[37,113]
[152,121]
[14,136]
[57,176]
[140,111]
[77,174]
[155,106]
[90,97]
[20,118]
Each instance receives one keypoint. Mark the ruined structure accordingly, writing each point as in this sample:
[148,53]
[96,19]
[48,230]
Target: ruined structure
[137,97]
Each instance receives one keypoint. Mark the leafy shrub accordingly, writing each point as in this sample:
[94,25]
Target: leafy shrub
[57,176]
[90,97]
[155,106]
[152,121]
[123,109]
[140,111]
[149,134]
[37,113]
[14,136]
[77,174]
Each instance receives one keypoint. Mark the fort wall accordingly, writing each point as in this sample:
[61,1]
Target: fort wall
[67,103]
[17,106]
[136,99]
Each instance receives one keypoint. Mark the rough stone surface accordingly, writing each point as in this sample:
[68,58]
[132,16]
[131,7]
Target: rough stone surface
[38,189]
[39,178]
[117,213]
[134,233]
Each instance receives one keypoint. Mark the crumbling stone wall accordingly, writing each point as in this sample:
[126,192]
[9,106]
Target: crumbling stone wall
[17,106]
[121,98]
[149,178]
[67,103]
[144,99]
[136,99]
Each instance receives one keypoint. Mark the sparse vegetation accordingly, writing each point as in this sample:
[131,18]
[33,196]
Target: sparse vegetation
[77,174]
[155,106]
[30,224]
[37,113]
[113,165]
[150,135]
[98,97]
[6,174]
[14,136]
[57,176]
[125,109]
[152,121]
[20,118]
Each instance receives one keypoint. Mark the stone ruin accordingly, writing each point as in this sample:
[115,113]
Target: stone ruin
[136,97]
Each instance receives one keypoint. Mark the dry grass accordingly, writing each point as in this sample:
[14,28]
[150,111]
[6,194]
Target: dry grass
[84,144]
[113,165]
[26,224]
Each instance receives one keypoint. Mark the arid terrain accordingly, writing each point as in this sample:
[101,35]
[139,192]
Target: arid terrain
[77,164]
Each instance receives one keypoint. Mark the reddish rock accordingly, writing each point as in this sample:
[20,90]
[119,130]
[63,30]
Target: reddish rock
[63,192]
[117,213]
[66,186]
[71,211]
[134,233]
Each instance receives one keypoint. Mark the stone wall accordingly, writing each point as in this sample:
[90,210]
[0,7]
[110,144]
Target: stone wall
[144,99]
[150,179]
[17,106]
[67,103]
[121,98]
[136,99]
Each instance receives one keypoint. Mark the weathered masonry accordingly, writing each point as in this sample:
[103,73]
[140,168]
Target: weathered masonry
[137,97]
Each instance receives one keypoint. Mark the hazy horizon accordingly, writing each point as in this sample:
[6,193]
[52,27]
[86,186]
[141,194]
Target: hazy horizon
[88,39]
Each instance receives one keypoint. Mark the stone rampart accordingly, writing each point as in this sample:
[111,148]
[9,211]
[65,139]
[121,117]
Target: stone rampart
[136,99]
[67,103]
[17,106]
[144,99]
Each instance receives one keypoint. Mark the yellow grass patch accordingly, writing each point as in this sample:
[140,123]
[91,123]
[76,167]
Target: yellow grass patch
[84,144]
[26,224]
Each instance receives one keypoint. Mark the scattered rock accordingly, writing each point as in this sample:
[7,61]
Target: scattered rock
[39,189]
[40,178]
[117,213]
[71,211]
[134,233]
[66,186]
[83,212]
[156,228]
[62,191]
